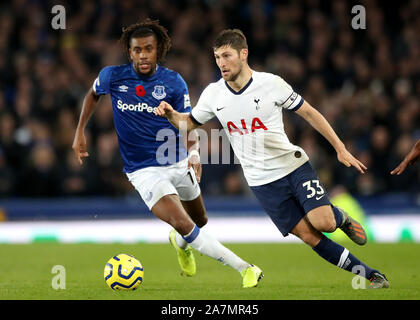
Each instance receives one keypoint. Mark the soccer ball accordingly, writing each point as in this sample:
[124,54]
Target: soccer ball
[123,272]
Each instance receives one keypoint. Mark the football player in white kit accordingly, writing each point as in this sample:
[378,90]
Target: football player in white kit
[249,106]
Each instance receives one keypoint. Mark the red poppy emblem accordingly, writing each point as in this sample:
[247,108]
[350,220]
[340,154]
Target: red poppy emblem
[140,91]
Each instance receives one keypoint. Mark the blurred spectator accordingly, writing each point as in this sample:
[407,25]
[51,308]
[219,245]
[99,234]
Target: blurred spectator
[74,179]
[13,152]
[40,178]
[108,164]
[365,82]
[380,149]
[7,179]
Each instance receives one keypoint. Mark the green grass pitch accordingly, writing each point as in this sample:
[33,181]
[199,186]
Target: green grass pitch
[292,271]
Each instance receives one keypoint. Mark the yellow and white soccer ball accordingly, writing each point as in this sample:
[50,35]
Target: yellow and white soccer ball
[123,272]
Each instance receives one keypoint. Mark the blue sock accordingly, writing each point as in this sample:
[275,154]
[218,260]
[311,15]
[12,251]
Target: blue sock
[342,258]
[338,216]
[192,235]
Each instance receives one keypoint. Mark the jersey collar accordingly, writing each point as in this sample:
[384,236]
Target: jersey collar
[142,77]
[240,91]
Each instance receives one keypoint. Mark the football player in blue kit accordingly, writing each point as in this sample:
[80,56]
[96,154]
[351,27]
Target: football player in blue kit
[163,172]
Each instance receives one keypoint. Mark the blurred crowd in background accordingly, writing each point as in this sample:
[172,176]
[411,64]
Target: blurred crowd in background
[366,82]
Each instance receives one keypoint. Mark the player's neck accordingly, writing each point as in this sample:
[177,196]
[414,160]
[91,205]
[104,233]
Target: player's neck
[241,80]
[150,74]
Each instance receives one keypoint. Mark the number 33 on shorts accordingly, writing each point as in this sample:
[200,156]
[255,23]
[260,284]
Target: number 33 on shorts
[314,188]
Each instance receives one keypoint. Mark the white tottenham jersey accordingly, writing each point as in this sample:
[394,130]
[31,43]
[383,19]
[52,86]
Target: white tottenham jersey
[253,121]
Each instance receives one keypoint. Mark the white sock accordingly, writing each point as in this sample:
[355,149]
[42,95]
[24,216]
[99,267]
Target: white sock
[206,244]
[180,241]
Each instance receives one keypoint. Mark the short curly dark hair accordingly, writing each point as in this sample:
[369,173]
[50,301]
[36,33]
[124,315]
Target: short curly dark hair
[143,29]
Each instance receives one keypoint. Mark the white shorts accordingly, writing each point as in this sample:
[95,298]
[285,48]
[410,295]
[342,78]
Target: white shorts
[155,182]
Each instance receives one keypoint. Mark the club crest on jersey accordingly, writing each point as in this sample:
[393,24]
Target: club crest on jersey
[257,106]
[159,92]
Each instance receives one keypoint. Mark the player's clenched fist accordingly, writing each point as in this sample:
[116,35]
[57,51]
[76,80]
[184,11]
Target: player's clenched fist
[164,109]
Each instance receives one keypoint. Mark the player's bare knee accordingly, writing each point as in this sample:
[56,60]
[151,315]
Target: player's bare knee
[322,219]
[328,225]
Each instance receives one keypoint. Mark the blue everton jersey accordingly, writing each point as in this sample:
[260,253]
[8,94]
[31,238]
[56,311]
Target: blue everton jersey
[144,139]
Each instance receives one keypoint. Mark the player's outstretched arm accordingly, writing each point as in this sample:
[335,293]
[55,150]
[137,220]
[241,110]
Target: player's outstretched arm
[181,121]
[317,121]
[79,142]
[409,159]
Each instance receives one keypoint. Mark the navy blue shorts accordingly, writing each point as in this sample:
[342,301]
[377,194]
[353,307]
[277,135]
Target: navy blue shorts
[290,198]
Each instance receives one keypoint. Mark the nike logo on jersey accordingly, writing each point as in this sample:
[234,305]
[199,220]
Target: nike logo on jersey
[318,198]
[218,109]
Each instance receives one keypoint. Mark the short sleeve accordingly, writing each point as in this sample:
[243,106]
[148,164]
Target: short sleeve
[285,96]
[181,101]
[203,112]
[101,84]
